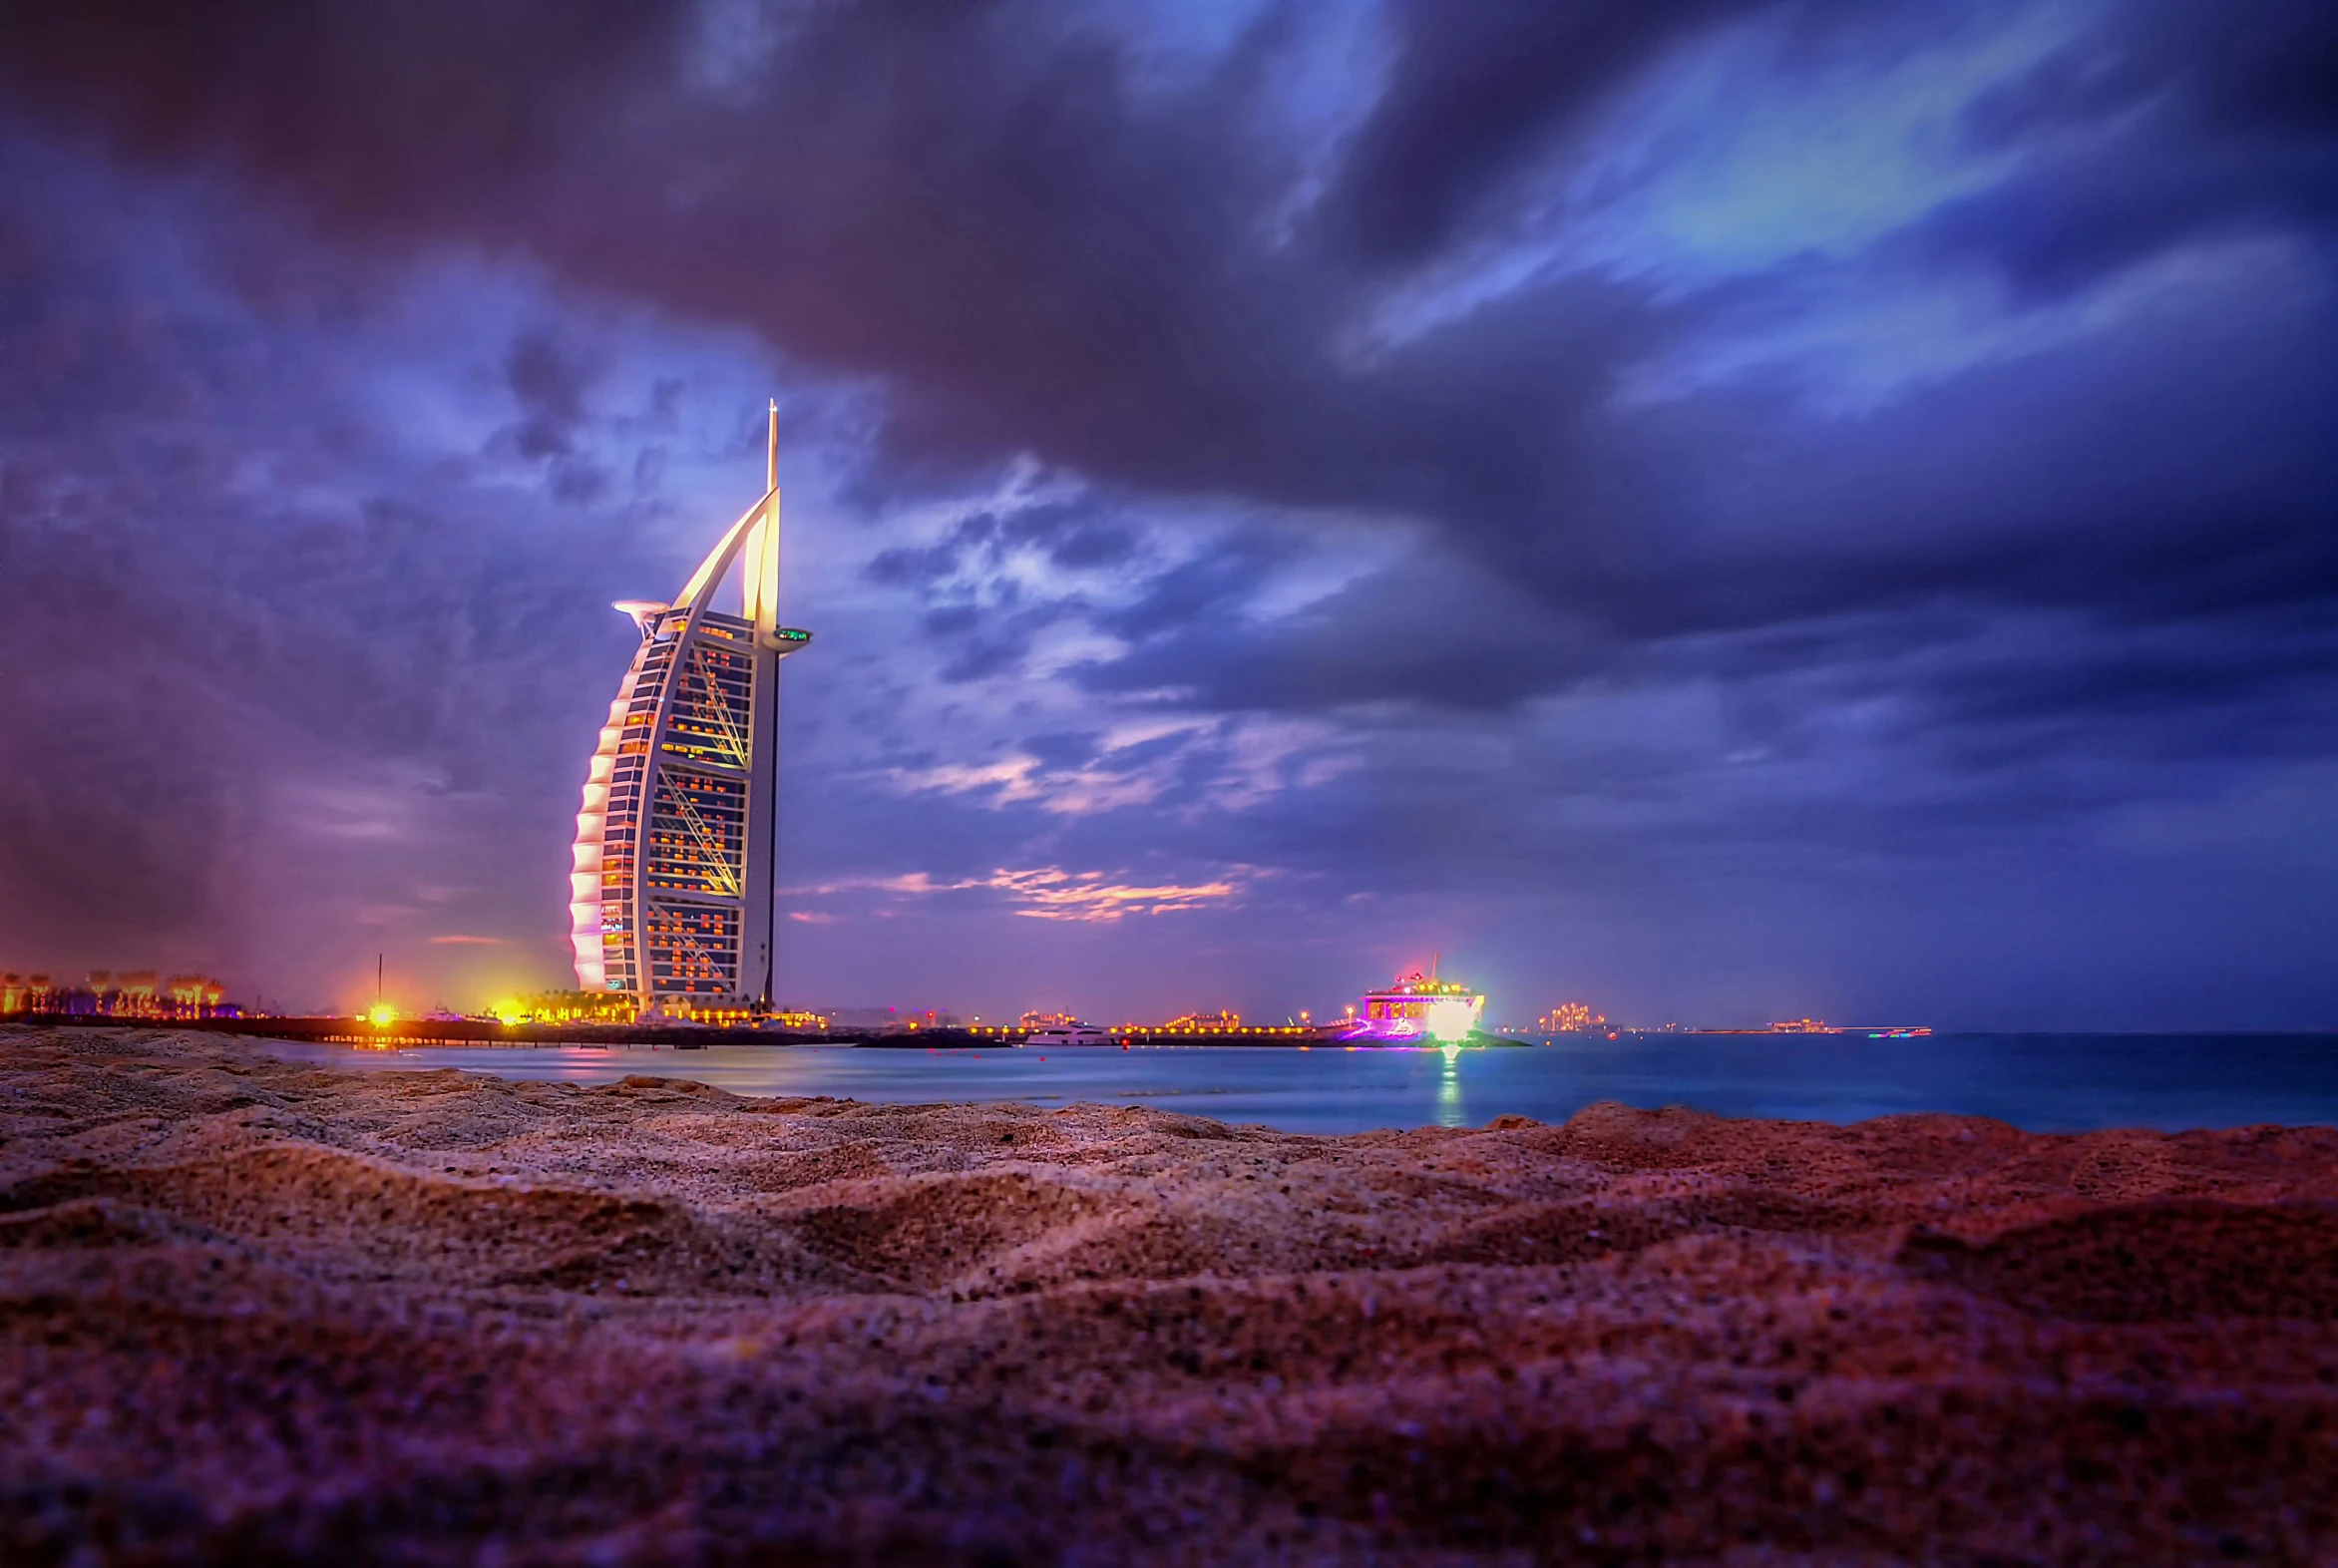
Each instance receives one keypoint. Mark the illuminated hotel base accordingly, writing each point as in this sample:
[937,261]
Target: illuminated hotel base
[670,893]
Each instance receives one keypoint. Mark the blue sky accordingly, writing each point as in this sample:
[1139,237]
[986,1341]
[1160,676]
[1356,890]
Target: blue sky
[1720,509]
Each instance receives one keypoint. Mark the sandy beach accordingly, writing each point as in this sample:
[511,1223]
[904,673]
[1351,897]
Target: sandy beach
[255,1310]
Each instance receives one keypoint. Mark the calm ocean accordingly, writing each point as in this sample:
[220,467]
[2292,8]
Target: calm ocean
[2043,1082]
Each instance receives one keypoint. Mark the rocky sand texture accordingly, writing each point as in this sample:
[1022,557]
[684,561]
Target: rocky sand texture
[256,1312]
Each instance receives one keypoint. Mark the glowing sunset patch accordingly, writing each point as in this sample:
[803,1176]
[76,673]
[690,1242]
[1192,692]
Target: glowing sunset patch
[1049,892]
[1053,893]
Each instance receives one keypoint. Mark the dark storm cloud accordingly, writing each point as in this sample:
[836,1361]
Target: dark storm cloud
[2187,477]
[2165,121]
[1074,537]
[976,612]
[980,205]
[1435,633]
[1477,88]
[212,673]
[117,793]
[377,116]
[1204,592]
[2204,690]
[2262,72]
[984,643]
[549,385]
[977,204]
[120,796]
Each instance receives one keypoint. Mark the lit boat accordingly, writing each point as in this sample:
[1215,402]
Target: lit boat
[1420,1006]
[1068,1034]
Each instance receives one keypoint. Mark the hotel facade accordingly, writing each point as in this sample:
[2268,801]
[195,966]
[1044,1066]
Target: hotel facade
[671,890]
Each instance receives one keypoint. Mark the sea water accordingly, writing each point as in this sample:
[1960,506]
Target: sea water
[2041,1082]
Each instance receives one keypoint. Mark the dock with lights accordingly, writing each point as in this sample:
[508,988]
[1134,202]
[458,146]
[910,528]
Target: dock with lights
[408,1034]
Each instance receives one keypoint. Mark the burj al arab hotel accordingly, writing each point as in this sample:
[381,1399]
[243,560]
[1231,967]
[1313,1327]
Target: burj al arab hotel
[671,895]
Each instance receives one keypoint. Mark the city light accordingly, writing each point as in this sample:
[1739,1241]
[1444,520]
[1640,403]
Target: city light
[1571,1017]
[1453,1018]
[382,1015]
[105,993]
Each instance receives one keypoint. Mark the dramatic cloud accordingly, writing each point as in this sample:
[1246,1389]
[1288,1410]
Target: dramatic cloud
[1738,506]
[1046,893]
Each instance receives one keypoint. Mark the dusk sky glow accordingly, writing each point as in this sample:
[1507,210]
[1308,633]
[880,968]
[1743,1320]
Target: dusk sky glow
[1727,508]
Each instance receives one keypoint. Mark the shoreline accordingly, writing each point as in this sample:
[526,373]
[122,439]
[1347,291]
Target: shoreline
[254,1305]
[487,1033]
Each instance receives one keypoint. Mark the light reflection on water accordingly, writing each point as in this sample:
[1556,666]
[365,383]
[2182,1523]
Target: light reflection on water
[1449,1089]
[2067,1083]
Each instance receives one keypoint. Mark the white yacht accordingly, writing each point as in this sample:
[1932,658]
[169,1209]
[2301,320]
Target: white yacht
[1420,1006]
[1067,1034]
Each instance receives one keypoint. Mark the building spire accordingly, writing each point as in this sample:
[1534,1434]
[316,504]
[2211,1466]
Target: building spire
[759,569]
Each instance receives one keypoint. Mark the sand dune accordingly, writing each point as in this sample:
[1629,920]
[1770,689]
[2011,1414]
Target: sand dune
[254,1311]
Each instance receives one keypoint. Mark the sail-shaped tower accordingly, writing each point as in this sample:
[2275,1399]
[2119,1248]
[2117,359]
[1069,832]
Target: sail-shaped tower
[670,895]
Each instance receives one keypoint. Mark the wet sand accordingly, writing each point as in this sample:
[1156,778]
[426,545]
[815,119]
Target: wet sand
[261,1311]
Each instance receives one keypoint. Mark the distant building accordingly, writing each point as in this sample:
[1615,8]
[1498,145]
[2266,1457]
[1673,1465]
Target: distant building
[1223,1018]
[1570,1017]
[671,894]
[133,993]
[571,1006]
